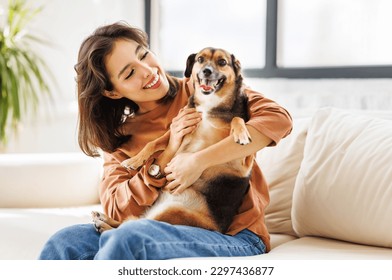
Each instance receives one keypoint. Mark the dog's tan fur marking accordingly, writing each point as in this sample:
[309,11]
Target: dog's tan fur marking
[181,216]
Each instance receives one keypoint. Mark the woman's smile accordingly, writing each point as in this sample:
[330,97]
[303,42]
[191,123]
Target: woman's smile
[154,83]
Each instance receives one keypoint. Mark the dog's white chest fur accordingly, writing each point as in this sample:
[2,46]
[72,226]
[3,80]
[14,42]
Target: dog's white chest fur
[208,102]
[203,136]
[167,200]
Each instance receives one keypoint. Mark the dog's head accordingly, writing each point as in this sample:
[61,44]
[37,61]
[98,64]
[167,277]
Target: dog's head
[214,71]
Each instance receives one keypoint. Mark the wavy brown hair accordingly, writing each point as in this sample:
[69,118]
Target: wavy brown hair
[99,116]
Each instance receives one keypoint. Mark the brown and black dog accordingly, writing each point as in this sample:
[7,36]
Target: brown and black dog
[213,200]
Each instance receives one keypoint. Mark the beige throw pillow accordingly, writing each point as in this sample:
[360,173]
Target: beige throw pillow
[280,165]
[344,186]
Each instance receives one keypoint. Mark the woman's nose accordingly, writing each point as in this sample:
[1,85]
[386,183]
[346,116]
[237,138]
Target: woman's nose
[145,70]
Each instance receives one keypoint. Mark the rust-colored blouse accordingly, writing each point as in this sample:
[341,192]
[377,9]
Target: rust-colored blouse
[125,192]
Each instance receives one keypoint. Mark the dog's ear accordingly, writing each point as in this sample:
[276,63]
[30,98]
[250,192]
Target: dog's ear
[236,65]
[189,65]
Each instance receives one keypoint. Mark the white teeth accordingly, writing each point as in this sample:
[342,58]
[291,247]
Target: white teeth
[153,82]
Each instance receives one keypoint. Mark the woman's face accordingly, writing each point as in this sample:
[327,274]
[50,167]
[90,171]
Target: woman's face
[135,74]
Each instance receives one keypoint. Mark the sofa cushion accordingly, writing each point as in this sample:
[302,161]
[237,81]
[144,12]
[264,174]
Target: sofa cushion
[318,248]
[48,180]
[344,186]
[25,231]
[280,165]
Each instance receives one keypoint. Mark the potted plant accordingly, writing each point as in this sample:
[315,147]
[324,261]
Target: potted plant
[22,72]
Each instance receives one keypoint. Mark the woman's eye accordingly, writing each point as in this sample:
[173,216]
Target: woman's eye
[144,55]
[133,70]
[130,74]
[200,59]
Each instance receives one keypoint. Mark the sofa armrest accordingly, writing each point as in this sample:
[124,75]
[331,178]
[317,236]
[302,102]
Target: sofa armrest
[48,180]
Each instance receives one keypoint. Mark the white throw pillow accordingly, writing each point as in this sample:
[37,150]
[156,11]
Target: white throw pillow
[344,186]
[280,165]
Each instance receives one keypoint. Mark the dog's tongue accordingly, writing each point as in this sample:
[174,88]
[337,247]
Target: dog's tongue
[206,87]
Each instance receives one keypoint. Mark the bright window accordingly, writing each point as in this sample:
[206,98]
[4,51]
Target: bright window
[324,33]
[182,27]
[278,38]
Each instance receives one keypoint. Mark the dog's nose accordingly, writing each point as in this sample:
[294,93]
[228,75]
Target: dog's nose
[207,71]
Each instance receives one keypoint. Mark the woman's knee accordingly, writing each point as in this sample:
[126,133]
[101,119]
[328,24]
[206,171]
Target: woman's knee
[130,233]
[131,240]
[71,243]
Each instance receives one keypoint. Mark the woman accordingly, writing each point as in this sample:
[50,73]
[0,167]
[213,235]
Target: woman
[126,100]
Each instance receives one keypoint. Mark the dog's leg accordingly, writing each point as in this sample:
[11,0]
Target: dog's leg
[102,222]
[138,160]
[239,131]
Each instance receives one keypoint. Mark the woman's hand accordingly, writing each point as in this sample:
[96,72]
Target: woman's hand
[182,171]
[184,123]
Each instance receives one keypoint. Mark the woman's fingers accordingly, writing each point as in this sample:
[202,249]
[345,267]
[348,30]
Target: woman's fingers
[171,187]
[185,111]
[190,115]
[186,120]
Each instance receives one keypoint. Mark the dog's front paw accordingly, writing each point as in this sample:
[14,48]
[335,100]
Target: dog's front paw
[134,162]
[98,216]
[242,136]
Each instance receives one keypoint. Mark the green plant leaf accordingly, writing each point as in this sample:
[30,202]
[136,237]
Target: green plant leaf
[23,73]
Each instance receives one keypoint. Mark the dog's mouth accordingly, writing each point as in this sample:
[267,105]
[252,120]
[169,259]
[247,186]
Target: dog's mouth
[209,86]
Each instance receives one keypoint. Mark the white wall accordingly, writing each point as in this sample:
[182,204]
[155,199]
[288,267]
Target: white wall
[65,23]
[303,96]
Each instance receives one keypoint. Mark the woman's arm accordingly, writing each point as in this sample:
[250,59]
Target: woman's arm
[186,168]
[228,150]
[125,192]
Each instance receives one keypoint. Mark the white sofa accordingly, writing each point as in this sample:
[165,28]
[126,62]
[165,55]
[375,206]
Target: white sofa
[330,185]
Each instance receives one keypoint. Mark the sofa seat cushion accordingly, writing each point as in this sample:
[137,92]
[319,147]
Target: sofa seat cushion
[344,186]
[318,248]
[279,239]
[24,231]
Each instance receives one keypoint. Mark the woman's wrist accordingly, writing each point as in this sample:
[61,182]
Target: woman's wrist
[204,159]
[165,157]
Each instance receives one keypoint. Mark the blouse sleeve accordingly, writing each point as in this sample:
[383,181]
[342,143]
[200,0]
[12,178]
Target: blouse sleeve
[268,117]
[126,192]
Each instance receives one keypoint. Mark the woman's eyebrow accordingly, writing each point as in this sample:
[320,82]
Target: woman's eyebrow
[138,48]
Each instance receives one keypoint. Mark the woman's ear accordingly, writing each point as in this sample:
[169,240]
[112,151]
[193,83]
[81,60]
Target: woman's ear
[111,94]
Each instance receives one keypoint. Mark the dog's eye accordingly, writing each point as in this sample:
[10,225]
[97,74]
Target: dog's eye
[222,62]
[200,59]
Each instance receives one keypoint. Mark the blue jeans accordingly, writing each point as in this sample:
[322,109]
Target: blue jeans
[147,239]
